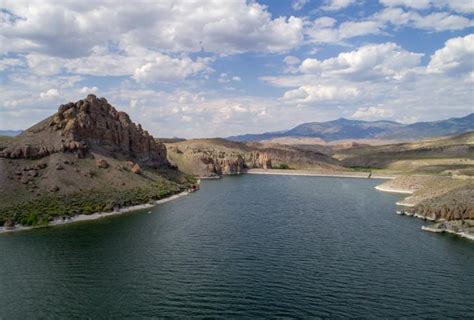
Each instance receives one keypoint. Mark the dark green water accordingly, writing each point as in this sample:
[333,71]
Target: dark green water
[249,246]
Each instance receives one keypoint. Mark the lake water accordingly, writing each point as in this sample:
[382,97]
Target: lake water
[247,246]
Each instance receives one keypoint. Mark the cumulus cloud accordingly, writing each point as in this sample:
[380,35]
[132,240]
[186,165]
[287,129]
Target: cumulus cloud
[50,94]
[386,60]
[141,65]
[322,30]
[69,29]
[372,113]
[457,56]
[326,29]
[87,90]
[165,68]
[314,93]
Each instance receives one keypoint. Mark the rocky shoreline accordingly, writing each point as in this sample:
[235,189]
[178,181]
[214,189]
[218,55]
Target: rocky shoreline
[445,201]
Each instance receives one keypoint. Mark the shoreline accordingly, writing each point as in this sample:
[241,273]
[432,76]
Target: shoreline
[96,215]
[461,234]
[313,174]
[434,227]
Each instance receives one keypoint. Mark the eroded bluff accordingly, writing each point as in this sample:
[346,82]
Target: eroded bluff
[457,204]
[88,125]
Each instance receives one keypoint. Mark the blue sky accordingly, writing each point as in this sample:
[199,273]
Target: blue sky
[219,68]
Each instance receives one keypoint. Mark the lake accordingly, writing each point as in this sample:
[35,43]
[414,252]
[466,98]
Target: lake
[246,246]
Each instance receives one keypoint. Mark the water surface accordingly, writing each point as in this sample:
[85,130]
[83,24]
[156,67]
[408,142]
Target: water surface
[248,246]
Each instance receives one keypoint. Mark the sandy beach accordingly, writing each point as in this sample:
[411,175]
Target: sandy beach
[97,215]
[316,174]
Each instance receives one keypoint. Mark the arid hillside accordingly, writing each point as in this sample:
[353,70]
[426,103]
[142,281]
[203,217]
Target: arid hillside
[447,156]
[87,157]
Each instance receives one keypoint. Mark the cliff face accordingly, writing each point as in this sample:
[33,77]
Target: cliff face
[211,162]
[210,157]
[457,204]
[223,164]
[91,124]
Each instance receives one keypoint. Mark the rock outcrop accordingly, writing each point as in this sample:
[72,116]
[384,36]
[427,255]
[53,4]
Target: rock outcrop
[457,204]
[210,157]
[88,125]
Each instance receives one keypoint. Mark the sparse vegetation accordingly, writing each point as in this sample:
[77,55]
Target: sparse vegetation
[47,208]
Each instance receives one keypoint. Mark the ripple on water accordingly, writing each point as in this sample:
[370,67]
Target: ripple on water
[250,246]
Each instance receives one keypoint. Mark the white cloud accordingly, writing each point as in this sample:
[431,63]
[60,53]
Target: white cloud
[325,30]
[236,78]
[334,5]
[314,93]
[436,21]
[298,4]
[322,30]
[87,90]
[387,60]
[457,55]
[441,21]
[71,29]
[50,94]
[462,6]
[373,113]
[415,4]
[291,60]
[165,68]
[142,65]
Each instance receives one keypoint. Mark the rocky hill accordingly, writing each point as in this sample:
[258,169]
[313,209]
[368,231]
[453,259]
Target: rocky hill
[449,155]
[87,157]
[343,129]
[213,157]
[89,125]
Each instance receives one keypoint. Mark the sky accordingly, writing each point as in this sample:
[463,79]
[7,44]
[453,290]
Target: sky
[214,68]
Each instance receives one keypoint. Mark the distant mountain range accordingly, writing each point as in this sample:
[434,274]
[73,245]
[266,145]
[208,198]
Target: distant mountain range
[10,133]
[343,129]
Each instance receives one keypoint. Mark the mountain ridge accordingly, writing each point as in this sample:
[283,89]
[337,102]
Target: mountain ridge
[342,128]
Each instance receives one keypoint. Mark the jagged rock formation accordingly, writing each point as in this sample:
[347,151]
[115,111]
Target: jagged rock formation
[86,158]
[91,124]
[210,157]
[222,164]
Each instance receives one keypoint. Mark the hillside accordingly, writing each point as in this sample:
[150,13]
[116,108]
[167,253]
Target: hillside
[449,155]
[344,129]
[211,157]
[87,157]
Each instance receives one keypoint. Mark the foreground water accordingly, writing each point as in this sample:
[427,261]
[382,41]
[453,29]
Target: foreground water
[249,246]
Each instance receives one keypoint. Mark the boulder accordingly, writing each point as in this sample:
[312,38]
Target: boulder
[102,163]
[136,169]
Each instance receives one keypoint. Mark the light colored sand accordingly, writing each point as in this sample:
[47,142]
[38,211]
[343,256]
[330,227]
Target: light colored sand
[97,215]
[393,190]
[315,174]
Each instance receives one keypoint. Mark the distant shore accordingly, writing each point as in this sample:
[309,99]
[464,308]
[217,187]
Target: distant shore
[95,216]
[309,173]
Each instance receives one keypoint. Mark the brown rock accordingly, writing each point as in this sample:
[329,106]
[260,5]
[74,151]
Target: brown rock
[86,126]
[102,163]
[53,188]
[59,166]
[136,169]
